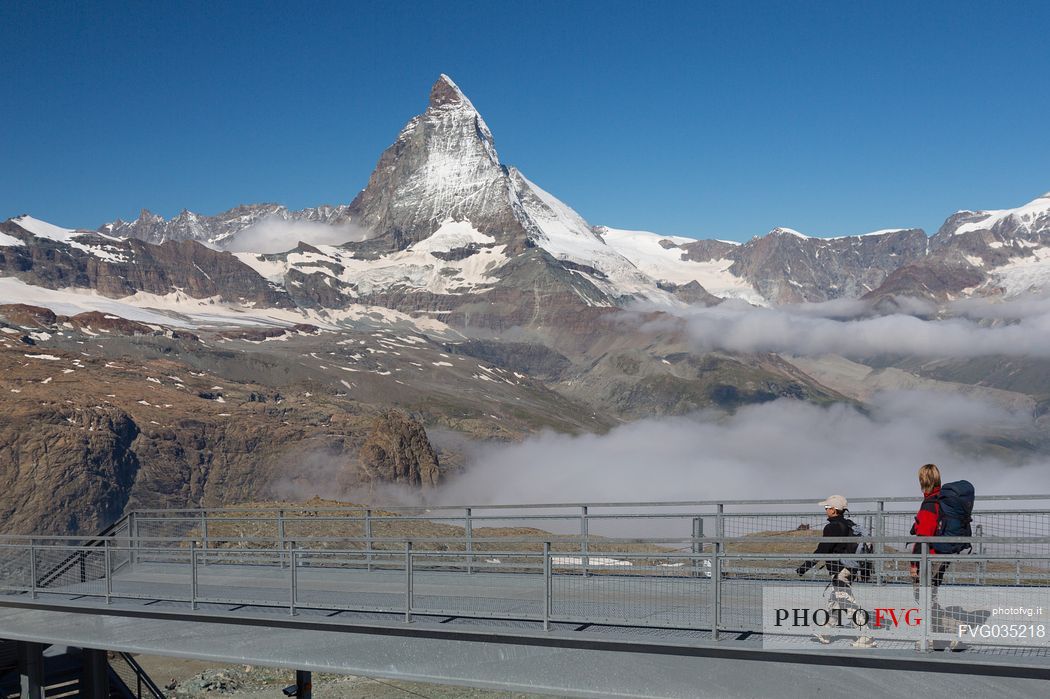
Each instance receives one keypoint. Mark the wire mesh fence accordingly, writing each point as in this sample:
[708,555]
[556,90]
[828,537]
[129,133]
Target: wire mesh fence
[458,563]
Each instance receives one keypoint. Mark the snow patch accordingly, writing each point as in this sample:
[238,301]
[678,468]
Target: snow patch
[10,241]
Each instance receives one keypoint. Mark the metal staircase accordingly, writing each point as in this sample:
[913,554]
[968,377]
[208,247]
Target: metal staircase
[64,675]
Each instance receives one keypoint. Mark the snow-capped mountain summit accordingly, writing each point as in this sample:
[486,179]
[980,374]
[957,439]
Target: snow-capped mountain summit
[443,165]
[444,169]
[1025,222]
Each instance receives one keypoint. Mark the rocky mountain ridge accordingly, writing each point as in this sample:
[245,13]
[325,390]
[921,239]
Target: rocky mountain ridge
[216,230]
[445,219]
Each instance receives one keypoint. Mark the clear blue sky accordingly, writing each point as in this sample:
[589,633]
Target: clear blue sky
[705,119]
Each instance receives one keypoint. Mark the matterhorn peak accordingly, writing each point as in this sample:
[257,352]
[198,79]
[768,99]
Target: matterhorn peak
[445,92]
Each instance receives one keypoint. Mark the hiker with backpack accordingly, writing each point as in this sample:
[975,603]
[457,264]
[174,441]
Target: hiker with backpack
[945,511]
[842,569]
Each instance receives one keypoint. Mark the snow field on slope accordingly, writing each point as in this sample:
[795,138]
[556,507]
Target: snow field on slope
[644,250]
[415,267]
[1025,214]
[9,241]
[43,229]
[179,310]
[1023,274]
[566,236]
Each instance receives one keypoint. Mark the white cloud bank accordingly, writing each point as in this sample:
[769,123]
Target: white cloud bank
[1018,328]
[783,449]
[274,235]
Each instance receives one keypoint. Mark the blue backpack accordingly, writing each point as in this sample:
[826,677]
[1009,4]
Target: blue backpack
[954,513]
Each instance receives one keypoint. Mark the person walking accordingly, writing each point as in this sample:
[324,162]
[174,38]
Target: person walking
[925,524]
[946,510]
[840,589]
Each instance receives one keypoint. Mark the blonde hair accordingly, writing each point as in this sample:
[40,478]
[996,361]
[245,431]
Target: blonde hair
[929,477]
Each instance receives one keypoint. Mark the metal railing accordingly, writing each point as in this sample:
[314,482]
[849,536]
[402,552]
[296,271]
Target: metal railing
[704,571]
[994,516]
[652,583]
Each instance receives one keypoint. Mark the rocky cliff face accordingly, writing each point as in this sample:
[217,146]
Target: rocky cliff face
[64,468]
[85,437]
[786,267]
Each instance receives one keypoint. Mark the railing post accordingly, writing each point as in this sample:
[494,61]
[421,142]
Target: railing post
[698,533]
[368,539]
[585,548]
[924,581]
[32,570]
[716,570]
[107,559]
[547,586]
[981,564]
[133,526]
[204,537]
[880,548]
[294,576]
[281,544]
[193,574]
[716,595]
[408,582]
[469,530]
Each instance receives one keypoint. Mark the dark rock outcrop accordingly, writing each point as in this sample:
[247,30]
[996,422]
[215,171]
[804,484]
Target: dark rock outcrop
[26,316]
[397,451]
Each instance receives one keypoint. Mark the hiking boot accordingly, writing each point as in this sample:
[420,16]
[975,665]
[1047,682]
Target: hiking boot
[864,642]
[821,638]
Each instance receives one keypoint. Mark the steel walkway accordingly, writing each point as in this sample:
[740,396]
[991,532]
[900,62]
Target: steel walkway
[573,616]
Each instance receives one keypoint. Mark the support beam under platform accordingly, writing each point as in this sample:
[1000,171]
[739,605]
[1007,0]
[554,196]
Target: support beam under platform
[304,688]
[31,670]
[95,678]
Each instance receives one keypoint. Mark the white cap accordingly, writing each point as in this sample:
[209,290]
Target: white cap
[836,501]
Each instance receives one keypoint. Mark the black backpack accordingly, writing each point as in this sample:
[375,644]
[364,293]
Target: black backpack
[863,570]
[954,514]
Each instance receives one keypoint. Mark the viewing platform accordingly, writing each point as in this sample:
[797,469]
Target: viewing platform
[611,599]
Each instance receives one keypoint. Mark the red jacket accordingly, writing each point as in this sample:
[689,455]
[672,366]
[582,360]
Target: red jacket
[926,518]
